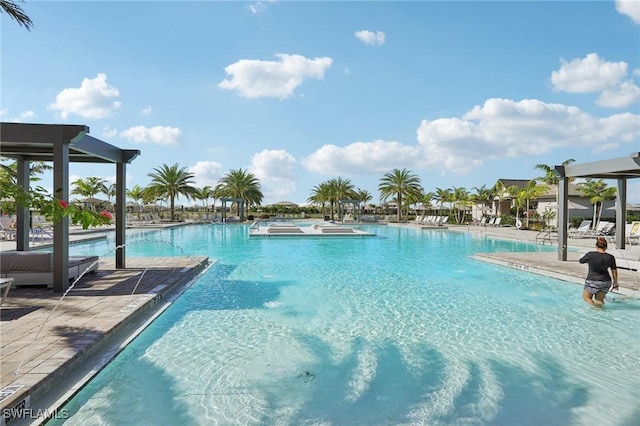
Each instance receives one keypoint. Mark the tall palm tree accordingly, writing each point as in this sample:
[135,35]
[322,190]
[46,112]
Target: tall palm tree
[320,195]
[340,189]
[551,178]
[170,182]
[483,195]
[530,191]
[399,184]
[136,194]
[89,187]
[203,194]
[597,191]
[461,199]
[443,196]
[241,184]
[111,191]
[12,9]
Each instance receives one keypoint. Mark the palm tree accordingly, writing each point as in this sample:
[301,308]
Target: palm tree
[340,189]
[203,194]
[530,191]
[240,184]
[443,196]
[461,199]
[597,191]
[364,197]
[320,195]
[136,194]
[515,192]
[12,9]
[551,178]
[483,196]
[89,187]
[399,183]
[111,191]
[170,182]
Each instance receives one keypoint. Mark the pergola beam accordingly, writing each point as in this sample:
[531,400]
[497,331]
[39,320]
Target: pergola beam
[62,144]
[619,169]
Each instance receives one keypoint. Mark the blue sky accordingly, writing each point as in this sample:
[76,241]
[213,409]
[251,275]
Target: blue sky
[460,93]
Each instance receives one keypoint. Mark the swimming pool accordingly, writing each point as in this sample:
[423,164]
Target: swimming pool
[404,328]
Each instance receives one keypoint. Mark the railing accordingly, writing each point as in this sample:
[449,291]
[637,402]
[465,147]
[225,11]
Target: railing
[547,235]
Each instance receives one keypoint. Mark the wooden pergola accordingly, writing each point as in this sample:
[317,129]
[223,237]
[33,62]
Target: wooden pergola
[62,144]
[620,169]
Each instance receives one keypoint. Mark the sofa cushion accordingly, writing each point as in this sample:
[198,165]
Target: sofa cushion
[26,261]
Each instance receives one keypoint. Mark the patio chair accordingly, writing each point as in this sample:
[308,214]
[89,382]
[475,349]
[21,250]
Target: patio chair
[633,234]
[583,230]
[7,228]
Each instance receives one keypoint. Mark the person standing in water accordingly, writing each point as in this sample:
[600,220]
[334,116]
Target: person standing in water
[598,281]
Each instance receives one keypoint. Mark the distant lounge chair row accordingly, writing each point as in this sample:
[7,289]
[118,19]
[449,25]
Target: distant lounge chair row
[584,230]
[431,220]
[493,221]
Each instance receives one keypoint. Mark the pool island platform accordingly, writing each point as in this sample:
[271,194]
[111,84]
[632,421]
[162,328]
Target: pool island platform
[287,229]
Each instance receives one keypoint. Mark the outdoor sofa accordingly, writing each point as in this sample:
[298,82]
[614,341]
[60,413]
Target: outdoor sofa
[36,268]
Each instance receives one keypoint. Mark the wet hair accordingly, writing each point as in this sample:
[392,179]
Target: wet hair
[601,243]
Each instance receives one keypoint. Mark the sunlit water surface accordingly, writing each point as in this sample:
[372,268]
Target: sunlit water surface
[402,328]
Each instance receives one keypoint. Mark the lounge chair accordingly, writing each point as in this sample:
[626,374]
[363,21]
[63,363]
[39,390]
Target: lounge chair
[583,230]
[497,221]
[633,234]
[444,221]
[7,232]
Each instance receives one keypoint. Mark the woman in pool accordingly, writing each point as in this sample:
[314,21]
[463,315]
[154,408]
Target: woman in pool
[598,280]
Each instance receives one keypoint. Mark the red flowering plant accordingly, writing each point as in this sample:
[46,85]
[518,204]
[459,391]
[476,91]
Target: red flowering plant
[55,209]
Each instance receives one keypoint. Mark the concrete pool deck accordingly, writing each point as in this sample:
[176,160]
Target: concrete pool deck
[47,354]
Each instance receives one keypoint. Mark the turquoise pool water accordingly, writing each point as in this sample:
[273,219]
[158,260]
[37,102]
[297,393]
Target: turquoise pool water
[403,328]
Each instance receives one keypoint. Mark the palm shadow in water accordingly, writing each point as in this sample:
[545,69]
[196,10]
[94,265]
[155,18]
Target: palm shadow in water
[130,393]
[388,399]
[534,400]
[528,399]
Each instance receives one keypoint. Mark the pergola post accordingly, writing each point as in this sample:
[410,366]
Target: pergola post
[120,214]
[563,210]
[22,211]
[621,214]
[61,226]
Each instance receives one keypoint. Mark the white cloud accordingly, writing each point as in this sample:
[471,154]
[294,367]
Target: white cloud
[274,170]
[146,111]
[108,132]
[93,99]
[590,74]
[631,8]
[206,173]
[500,129]
[157,135]
[636,72]
[503,128]
[3,112]
[370,37]
[363,158]
[259,6]
[623,95]
[273,79]
[25,116]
